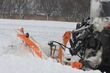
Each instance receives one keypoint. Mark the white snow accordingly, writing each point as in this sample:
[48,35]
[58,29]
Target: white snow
[95,8]
[15,58]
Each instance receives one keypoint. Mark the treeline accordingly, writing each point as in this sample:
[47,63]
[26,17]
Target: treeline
[70,9]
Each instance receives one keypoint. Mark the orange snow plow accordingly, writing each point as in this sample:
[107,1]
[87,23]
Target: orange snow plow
[66,38]
[30,43]
[76,64]
[62,48]
[33,45]
[59,56]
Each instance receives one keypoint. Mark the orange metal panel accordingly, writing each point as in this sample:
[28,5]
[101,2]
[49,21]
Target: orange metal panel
[33,46]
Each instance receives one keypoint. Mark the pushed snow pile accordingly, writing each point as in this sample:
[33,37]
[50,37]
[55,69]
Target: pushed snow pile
[16,64]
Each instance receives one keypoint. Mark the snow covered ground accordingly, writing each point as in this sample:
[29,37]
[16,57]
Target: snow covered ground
[14,58]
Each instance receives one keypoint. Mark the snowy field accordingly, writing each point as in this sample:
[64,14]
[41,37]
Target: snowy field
[17,59]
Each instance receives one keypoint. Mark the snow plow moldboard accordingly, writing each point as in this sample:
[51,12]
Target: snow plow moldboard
[31,44]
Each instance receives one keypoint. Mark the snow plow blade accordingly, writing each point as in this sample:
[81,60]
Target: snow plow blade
[31,44]
[66,38]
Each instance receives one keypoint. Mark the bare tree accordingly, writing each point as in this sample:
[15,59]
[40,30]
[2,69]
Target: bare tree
[74,10]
